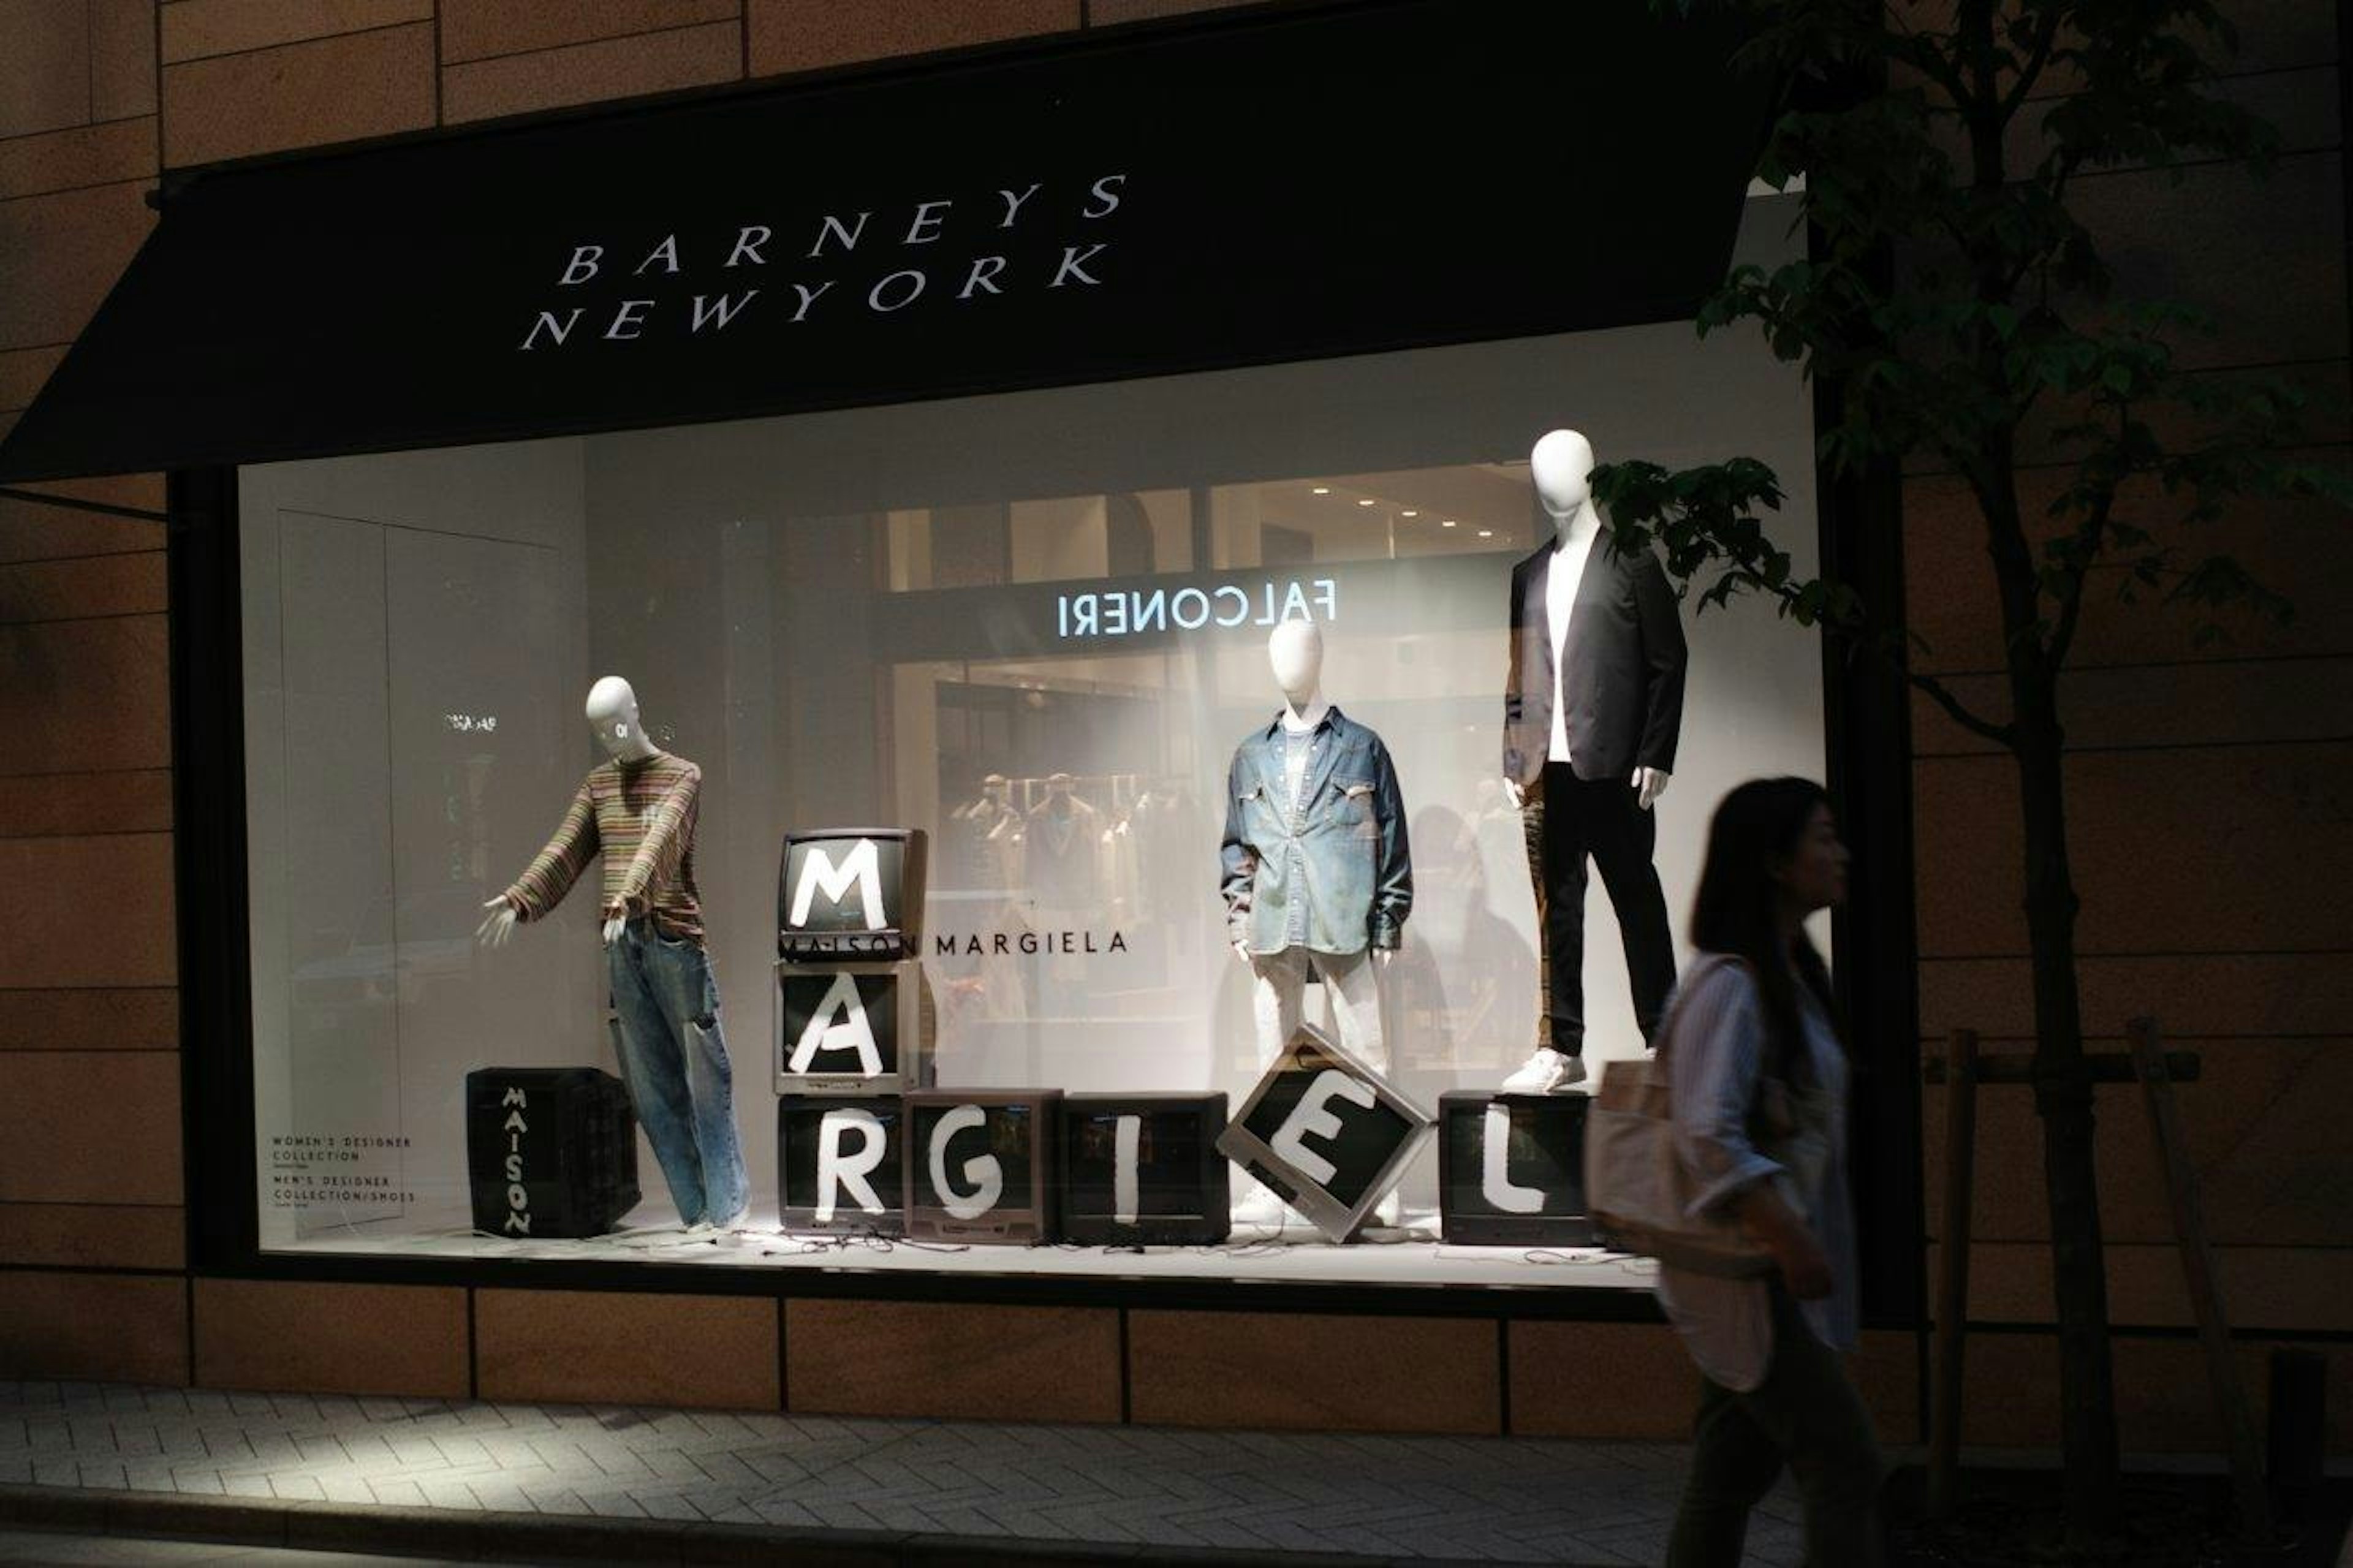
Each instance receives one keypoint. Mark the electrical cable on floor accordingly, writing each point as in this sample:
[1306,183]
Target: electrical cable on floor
[868,1241]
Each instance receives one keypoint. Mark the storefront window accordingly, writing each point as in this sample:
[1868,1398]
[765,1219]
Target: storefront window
[1034,627]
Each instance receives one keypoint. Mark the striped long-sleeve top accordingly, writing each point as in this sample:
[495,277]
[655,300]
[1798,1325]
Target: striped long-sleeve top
[641,814]
[1716,1056]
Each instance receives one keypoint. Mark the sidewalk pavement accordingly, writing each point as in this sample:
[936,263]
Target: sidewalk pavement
[542,1482]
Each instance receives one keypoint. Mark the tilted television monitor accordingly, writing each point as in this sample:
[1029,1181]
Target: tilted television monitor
[982,1164]
[841,1165]
[852,1029]
[850,894]
[1512,1169]
[1325,1133]
[1143,1170]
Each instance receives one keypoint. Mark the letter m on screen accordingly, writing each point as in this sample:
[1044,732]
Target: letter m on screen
[859,873]
[849,893]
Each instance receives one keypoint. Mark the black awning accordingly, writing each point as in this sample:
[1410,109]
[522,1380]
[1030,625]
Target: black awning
[1323,183]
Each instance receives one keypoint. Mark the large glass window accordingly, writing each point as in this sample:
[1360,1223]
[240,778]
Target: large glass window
[1033,626]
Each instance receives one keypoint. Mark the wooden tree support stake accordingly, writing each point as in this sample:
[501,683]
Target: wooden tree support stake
[1962,1069]
[2180,1180]
[1953,1271]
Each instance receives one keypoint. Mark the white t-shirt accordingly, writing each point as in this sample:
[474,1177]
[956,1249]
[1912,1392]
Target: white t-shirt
[1563,572]
[1296,744]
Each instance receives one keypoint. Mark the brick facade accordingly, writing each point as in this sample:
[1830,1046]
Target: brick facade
[2212,814]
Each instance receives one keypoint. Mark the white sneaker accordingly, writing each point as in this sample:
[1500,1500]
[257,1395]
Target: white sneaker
[708,1226]
[1547,1072]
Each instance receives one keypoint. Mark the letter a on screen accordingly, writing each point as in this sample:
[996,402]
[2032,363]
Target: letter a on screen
[840,1024]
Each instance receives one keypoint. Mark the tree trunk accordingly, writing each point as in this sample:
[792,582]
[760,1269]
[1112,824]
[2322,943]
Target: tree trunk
[2062,1097]
[2062,1078]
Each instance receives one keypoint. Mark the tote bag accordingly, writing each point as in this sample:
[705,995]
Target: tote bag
[1636,1189]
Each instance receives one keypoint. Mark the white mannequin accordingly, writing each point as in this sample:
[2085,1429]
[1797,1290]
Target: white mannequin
[1294,651]
[612,711]
[1562,466]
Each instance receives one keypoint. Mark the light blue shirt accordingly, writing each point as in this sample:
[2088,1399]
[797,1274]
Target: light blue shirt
[1715,1055]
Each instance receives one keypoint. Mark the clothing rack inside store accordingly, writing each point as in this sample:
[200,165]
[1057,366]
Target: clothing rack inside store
[1113,792]
[1118,792]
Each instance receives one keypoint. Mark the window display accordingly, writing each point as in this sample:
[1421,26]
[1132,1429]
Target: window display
[1086,750]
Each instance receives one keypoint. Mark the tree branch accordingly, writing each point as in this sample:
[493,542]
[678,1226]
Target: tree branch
[2086,543]
[1921,54]
[2003,735]
[2046,37]
[1857,633]
[2057,169]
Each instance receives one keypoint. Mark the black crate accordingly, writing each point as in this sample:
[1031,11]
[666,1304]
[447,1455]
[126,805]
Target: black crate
[550,1152]
[1183,1189]
[1529,1193]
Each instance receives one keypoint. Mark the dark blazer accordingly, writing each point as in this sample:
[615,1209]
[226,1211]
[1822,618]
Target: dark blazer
[1624,683]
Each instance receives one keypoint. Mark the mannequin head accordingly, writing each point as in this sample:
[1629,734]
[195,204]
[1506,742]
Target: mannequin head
[613,718]
[996,787]
[1560,463]
[1294,651]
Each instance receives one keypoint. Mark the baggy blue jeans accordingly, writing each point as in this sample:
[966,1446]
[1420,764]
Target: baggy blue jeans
[674,1060]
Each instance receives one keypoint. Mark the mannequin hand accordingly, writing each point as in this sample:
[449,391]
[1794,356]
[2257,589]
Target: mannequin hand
[1519,796]
[1649,783]
[1383,956]
[1242,951]
[497,925]
[613,927]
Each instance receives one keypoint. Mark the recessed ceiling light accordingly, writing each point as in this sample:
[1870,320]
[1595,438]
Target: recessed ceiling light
[1408,514]
[1486,533]
[1322,489]
[1366,502]
[1447,522]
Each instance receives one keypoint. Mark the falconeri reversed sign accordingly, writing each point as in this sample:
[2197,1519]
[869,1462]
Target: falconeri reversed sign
[1133,612]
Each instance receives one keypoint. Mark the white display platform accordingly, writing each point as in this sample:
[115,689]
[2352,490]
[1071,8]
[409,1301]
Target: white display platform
[1295,1255]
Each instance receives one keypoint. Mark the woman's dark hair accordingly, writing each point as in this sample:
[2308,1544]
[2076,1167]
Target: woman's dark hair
[1757,827]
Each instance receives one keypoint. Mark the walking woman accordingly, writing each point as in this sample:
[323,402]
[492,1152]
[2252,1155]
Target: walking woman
[1759,1080]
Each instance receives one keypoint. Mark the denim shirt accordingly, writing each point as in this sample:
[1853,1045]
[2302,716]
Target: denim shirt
[1331,872]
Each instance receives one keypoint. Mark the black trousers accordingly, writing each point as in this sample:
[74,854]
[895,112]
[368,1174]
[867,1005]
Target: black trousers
[1805,1417]
[1566,822]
